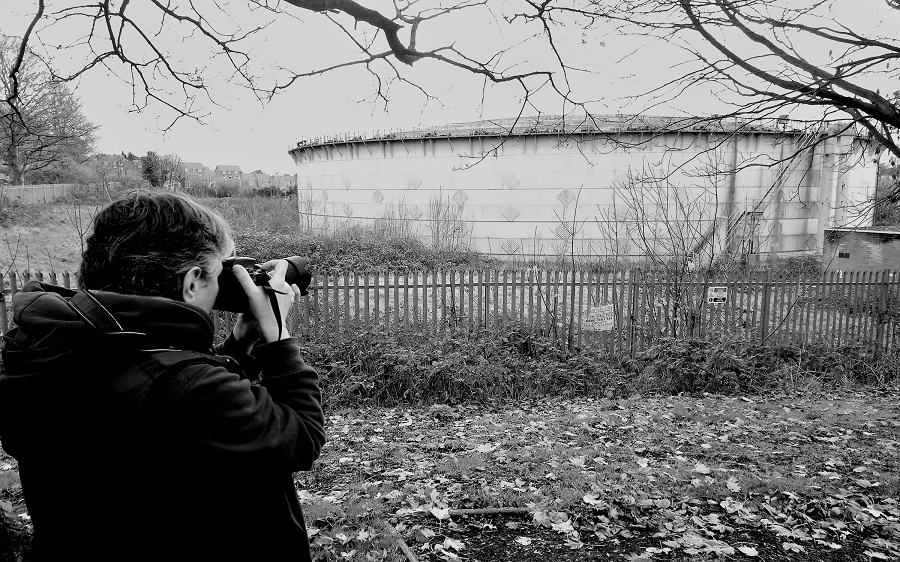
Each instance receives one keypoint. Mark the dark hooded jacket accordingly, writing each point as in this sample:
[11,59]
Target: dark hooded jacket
[141,442]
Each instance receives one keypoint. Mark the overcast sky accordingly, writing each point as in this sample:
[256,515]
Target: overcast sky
[241,130]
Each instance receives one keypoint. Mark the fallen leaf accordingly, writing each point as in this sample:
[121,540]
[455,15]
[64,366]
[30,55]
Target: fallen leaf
[456,545]
[323,540]
[440,512]
[748,550]
[564,527]
[524,541]
[592,498]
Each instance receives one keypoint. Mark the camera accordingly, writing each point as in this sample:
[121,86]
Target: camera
[231,295]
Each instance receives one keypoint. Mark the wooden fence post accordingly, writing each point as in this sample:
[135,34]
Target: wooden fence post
[4,321]
[882,313]
[764,313]
[632,309]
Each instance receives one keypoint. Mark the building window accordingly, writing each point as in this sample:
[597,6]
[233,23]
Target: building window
[843,254]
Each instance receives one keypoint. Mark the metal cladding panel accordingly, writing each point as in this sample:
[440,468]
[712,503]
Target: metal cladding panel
[530,187]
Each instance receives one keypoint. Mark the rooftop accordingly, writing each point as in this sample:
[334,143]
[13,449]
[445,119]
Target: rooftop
[567,125]
[885,229]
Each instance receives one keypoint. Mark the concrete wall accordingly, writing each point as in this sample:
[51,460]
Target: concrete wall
[861,250]
[521,194]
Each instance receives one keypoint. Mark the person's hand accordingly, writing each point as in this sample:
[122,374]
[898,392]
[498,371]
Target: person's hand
[261,321]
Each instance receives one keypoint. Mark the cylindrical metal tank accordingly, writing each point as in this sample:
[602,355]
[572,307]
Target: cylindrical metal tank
[620,185]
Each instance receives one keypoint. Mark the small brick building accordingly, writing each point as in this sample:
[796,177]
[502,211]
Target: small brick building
[861,250]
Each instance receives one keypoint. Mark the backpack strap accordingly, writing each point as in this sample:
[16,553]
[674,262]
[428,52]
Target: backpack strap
[97,316]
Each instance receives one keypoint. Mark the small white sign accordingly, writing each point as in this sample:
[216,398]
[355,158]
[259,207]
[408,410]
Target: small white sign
[600,318]
[717,295]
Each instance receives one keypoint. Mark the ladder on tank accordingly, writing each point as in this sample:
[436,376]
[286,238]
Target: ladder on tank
[807,141]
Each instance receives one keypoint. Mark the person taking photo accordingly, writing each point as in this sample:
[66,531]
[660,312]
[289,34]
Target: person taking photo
[137,439]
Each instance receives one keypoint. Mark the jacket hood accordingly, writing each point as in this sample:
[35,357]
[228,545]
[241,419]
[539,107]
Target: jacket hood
[50,333]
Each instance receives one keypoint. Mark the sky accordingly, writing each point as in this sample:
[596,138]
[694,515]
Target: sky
[237,128]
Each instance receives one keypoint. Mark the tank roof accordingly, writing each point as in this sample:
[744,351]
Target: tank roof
[573,125]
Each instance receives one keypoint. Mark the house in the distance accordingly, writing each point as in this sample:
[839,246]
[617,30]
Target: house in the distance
[228,175]
[257,181]
[196,174]
[228,171]
[285,183]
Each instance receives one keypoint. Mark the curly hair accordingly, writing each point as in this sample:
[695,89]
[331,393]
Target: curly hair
[144,242]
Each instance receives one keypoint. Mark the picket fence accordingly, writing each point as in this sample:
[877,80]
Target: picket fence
[619,312]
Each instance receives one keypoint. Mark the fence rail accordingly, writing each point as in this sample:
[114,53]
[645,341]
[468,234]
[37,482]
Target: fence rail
[835,308]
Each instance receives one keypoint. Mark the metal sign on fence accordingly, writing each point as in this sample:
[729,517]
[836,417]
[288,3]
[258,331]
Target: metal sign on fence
[717,295]
[600,318]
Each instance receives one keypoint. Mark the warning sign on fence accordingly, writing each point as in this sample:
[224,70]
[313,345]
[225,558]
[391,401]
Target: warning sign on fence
[717,295]
[600,318]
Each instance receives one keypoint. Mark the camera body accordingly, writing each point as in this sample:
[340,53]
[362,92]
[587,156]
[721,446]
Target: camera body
[231,295]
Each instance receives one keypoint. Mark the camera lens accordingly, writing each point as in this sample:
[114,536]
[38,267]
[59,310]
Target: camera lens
[298,274]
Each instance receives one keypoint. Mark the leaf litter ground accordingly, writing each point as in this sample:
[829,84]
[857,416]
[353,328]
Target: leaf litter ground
[771,478]
[706,478]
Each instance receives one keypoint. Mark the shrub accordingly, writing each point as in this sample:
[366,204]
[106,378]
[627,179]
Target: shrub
[734,367]
[372,368]
[375,369]
[691,366]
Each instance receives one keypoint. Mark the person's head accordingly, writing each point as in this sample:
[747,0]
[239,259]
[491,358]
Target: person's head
[153,243]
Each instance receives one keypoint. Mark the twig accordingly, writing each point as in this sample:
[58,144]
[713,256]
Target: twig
[400,542]
[490,511]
